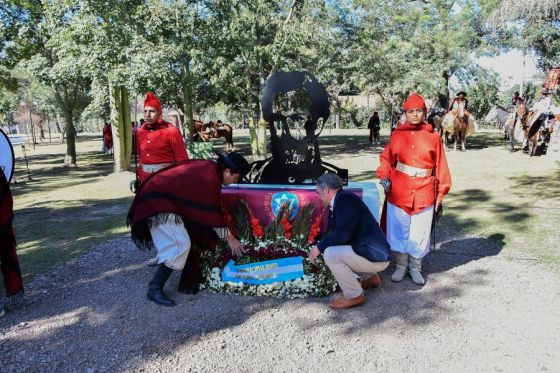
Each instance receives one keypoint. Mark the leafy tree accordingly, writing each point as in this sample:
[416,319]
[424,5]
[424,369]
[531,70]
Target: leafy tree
[37,37]
[406,46]
[247,42]
[482,92]
[528,25]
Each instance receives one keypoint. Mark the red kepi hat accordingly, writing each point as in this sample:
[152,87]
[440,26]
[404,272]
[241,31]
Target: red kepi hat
[414,101]
[153,101]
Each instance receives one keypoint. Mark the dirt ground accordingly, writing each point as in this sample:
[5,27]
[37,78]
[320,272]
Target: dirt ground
[488,305]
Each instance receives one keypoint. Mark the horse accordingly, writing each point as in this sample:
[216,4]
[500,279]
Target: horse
[460,124]
[515,123]
[536,130]
[206,132]
[435,118]
[456,124]
[498,115]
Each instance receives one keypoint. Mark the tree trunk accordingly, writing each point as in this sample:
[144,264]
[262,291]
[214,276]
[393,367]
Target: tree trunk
[187,106]
[257,128]
[446,75]
[261,138]
[122,129]
[261,130]
[70,159]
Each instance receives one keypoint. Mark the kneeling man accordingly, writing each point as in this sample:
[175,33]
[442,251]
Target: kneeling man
[354,243]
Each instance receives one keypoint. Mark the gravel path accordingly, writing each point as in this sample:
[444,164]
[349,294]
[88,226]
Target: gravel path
[480,311]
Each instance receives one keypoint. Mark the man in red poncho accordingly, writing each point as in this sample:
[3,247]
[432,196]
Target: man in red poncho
[179,204]
[410,165]
[159,143]
[9,264]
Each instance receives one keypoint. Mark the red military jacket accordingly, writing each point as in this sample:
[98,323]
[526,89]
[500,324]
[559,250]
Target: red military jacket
[417,146]
[160,143]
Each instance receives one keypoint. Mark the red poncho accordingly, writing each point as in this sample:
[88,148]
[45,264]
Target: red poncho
[9,264]
[190,189]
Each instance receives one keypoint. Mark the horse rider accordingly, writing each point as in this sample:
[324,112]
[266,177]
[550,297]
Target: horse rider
[545,107]
[461,97]
[519,116]
[516,99]
[159,143]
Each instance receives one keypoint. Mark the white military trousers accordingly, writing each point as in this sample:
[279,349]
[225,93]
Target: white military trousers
[172,243]
[409,234]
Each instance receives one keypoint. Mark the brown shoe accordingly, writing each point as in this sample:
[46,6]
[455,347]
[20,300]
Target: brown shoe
[371,282]
[342,302]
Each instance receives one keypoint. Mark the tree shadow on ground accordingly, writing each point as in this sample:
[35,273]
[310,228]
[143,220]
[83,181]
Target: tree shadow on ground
[537,187]
[51,232]
[115,311]
[458,252]
[415,305]
[368,175]
[347,146]
[46,177]
[481,140]
[114,315]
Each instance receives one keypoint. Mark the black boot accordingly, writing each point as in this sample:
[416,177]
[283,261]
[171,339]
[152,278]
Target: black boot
[155,288]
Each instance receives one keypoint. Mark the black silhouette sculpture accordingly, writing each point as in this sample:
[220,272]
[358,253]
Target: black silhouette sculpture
[294,161]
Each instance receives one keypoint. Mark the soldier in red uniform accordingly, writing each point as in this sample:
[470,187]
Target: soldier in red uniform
[409,163]
[108,138]
[159,143]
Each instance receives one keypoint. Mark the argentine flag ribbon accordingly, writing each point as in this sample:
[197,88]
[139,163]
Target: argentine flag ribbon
[261,273]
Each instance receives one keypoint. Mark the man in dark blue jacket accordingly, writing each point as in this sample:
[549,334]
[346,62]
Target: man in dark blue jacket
[354,243]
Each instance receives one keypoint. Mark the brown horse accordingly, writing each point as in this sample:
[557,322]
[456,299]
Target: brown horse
[456,124]
[460,124]
[206,132]
[533,129]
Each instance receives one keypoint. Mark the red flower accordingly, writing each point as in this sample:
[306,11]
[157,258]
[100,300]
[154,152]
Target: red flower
[315,227]
[256,229]
[287,225]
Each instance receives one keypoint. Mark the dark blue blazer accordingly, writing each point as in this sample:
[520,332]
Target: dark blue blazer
[351,223]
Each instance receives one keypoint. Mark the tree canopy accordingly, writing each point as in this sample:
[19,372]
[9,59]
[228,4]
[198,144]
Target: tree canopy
[196,54]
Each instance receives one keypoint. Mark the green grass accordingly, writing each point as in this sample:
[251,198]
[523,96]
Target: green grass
[508,198]
[62,211]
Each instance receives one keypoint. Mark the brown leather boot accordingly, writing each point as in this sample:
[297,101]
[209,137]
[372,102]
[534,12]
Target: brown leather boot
[371,282]
[343,303]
